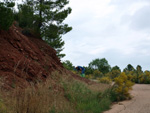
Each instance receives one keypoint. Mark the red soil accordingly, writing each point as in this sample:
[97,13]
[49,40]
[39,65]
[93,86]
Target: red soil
[26,59]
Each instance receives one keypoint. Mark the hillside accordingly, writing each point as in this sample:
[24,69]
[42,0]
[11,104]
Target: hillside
[25,59]
[40,83]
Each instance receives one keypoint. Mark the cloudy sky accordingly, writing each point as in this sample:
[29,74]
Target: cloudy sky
[118,30]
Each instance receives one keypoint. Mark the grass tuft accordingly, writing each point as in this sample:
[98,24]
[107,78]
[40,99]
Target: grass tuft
[59,94]
[85,100]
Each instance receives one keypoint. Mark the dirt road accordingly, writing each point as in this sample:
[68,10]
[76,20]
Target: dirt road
[139,104]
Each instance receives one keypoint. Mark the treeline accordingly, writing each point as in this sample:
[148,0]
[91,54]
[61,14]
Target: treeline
[101,70]
[40,18]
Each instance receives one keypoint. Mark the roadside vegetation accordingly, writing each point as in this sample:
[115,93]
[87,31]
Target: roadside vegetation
[85,100]
[122,81]
[62,94]
[59,94]
[99,69]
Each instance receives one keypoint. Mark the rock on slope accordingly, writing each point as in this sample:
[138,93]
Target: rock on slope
[25,59]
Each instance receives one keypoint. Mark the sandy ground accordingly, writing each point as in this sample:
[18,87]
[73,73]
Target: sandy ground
[139,104]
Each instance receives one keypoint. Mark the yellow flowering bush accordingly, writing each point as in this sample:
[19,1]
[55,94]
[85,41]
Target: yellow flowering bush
[106,80]
[114,73]
[145,78]
[122,86]
[97,73]
[89,76]
[130,77]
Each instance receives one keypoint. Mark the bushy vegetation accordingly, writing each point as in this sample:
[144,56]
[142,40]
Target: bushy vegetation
[6,15]
[100,70]
[137,75]
[68,65]
[122,85]
[101,64]
[144,78]
[84,100]
[105,80]
[65,95]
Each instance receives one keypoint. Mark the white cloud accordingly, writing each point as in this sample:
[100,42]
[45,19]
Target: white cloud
[115,29]
[91,6]
[141,19]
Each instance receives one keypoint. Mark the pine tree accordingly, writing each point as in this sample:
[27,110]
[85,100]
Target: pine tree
[51,16]
[47,20]
[6,15]
[25,16]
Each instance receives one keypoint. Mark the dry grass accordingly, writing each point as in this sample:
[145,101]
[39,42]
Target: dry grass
[48,97]
[44,98]
[99,87]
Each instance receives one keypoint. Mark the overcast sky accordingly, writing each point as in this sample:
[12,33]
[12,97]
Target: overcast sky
[118,30]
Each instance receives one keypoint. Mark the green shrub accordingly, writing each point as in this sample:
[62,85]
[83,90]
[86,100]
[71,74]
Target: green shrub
[84,100]
[6,18]
[68,65]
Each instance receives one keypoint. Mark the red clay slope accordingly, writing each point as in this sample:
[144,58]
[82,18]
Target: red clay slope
[25,59]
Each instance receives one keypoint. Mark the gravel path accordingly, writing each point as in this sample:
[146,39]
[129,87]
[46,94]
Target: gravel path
[139,104]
